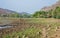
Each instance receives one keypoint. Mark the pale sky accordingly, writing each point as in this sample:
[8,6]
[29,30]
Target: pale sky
[29,6]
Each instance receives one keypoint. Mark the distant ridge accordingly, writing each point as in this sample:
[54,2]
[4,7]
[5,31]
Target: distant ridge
[10,13]
[3,11]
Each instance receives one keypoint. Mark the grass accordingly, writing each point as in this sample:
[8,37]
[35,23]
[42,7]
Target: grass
[49,24]
[30,33]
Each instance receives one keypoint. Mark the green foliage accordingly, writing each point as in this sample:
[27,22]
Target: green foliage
[40,14]
[55,13]
[14,15]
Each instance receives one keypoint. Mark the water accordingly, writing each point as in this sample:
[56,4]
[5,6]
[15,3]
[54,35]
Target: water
[5,26]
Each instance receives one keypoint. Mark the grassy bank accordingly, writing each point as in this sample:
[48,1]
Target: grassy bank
[49,27]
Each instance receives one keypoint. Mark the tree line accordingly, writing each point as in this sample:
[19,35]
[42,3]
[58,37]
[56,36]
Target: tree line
[53,13]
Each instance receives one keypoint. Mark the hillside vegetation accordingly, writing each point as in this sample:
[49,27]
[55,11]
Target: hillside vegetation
[55,13]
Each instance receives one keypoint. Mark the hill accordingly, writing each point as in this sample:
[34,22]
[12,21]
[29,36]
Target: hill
[47,8]
[6,11]
[10,13]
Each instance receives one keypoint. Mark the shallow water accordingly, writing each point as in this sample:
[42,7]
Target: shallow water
[5,26]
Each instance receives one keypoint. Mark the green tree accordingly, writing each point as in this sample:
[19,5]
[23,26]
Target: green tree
[57,12]
[40,14]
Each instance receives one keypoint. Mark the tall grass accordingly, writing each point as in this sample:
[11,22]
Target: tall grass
[49,24]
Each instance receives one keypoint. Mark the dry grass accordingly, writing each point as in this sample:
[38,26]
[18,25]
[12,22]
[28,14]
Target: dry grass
[48,27]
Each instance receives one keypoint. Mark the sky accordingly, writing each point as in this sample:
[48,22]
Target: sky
[29,6]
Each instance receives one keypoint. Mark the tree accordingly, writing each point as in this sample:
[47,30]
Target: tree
[40,14]
[57,12]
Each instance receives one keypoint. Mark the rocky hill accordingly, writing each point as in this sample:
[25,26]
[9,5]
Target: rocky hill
[47,8]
